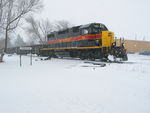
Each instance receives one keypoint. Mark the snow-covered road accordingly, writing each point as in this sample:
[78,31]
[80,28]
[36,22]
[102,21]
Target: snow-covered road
[72,86]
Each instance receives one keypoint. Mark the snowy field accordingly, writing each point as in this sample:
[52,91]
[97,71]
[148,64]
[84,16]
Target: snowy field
[72,86]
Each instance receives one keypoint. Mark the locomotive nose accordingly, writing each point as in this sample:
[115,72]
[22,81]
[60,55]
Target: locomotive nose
[107,38]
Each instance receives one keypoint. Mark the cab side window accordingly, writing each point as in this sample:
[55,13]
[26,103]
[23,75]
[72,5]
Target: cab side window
[85,31]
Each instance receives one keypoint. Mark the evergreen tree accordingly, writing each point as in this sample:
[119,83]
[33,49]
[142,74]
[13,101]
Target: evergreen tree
[19,41]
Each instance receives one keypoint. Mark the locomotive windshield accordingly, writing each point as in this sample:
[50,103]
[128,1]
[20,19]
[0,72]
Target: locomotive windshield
[100,26]
[96,28]
[103,27]
[93,28]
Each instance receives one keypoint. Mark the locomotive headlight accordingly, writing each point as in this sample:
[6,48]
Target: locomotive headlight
[113,44]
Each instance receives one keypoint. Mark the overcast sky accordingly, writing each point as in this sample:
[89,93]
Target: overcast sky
[127,18]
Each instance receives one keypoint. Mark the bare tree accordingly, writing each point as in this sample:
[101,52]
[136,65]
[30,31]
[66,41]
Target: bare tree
[38,29]
[3,4]
[14,11]
[63,24]
[2,43]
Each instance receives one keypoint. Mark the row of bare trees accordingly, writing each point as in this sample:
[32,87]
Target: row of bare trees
[11,13]
[38,29]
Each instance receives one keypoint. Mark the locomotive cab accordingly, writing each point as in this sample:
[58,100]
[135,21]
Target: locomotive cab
[104,37]
[99,31]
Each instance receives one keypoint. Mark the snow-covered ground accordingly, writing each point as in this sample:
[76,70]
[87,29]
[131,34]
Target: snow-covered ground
[72,86]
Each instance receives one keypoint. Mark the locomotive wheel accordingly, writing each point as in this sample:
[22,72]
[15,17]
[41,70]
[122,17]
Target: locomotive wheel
[105,58]
[82,56]
[92,58]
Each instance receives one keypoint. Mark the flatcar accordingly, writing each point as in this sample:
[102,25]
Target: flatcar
[91,41]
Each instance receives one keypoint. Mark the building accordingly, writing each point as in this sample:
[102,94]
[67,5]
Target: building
[136,46]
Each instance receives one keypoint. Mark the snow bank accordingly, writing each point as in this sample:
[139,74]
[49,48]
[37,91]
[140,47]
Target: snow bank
[66,86]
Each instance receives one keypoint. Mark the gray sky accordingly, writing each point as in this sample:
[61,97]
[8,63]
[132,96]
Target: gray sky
[127,18]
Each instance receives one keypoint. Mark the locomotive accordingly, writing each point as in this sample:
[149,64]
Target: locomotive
[91,41]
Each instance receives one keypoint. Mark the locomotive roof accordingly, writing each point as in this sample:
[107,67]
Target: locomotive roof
[88,25]
[80,26]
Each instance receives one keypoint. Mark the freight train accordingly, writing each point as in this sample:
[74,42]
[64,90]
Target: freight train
[91,41]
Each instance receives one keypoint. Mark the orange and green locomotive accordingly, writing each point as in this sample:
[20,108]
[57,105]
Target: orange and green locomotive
[91,41]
